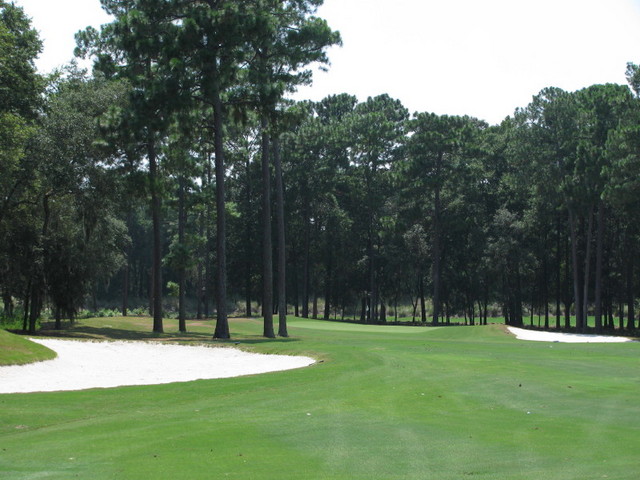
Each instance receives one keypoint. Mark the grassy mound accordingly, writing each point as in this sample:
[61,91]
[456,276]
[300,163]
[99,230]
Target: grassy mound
[16,350]
[381,403]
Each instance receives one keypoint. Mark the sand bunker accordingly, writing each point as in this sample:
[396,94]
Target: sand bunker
[540,336]
[81,365]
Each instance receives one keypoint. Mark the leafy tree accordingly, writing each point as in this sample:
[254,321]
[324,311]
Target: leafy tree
[621,193]
[288,38]
[376,128]
[20,89]
[210,37]
[82,241]
[20,84]
[601,109]
[139,46]
[437,154]
[182,165]
[20,103]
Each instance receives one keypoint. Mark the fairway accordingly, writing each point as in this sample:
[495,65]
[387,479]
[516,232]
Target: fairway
[446,403]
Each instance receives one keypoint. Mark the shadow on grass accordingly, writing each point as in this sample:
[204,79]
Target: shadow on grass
[87,332]
[112,333]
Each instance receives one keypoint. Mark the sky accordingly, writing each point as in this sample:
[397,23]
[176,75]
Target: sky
[482,58]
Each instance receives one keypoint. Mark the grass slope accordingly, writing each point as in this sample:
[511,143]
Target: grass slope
[16,350]
[384,403]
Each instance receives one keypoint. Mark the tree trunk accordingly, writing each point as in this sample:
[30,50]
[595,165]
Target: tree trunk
[414,304]
[599,254]
[395,307]
[531,310]
[38,283]
[26,303]
[125,285]
[296,309]
[423,306]
[620,315]
[222,323]
[576,269]
[587,270]
[610,323]
[209,247]
[58,317]
[328,277]
[182,274]
[558,274]
[247,242]
[567,287]
[306,268]
[375,290]
[314,311]
[156,264]
[8,303]
[36,307]
[447,311]
[267,260]
[472,313]
[544,287]
[629,286]
[518,315]
[371,273]
[202,254]
[437,249]
[282,261]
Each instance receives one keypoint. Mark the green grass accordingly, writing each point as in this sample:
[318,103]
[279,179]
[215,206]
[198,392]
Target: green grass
[16,350]
[384,403]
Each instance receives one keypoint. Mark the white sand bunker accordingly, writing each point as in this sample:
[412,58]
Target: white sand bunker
[540,336]
[81,365]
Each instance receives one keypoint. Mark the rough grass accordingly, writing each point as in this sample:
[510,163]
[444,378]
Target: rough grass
[383,403]
[16,350]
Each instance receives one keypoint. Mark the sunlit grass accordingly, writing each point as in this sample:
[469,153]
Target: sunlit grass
[16,350]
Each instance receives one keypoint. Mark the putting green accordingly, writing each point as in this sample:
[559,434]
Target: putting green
[358,327]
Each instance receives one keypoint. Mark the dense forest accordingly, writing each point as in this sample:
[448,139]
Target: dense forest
[177,178]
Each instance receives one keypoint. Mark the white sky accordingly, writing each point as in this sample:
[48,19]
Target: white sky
[476,57]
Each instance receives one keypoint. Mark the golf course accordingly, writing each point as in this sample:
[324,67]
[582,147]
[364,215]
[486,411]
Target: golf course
[381,402]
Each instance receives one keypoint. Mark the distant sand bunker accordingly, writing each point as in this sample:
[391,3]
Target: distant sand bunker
[81,365]
[539,336]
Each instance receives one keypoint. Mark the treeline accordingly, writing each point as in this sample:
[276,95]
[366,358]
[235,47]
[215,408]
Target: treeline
[179,169]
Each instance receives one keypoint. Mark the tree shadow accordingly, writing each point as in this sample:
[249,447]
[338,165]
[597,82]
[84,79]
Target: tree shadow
[87,332]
